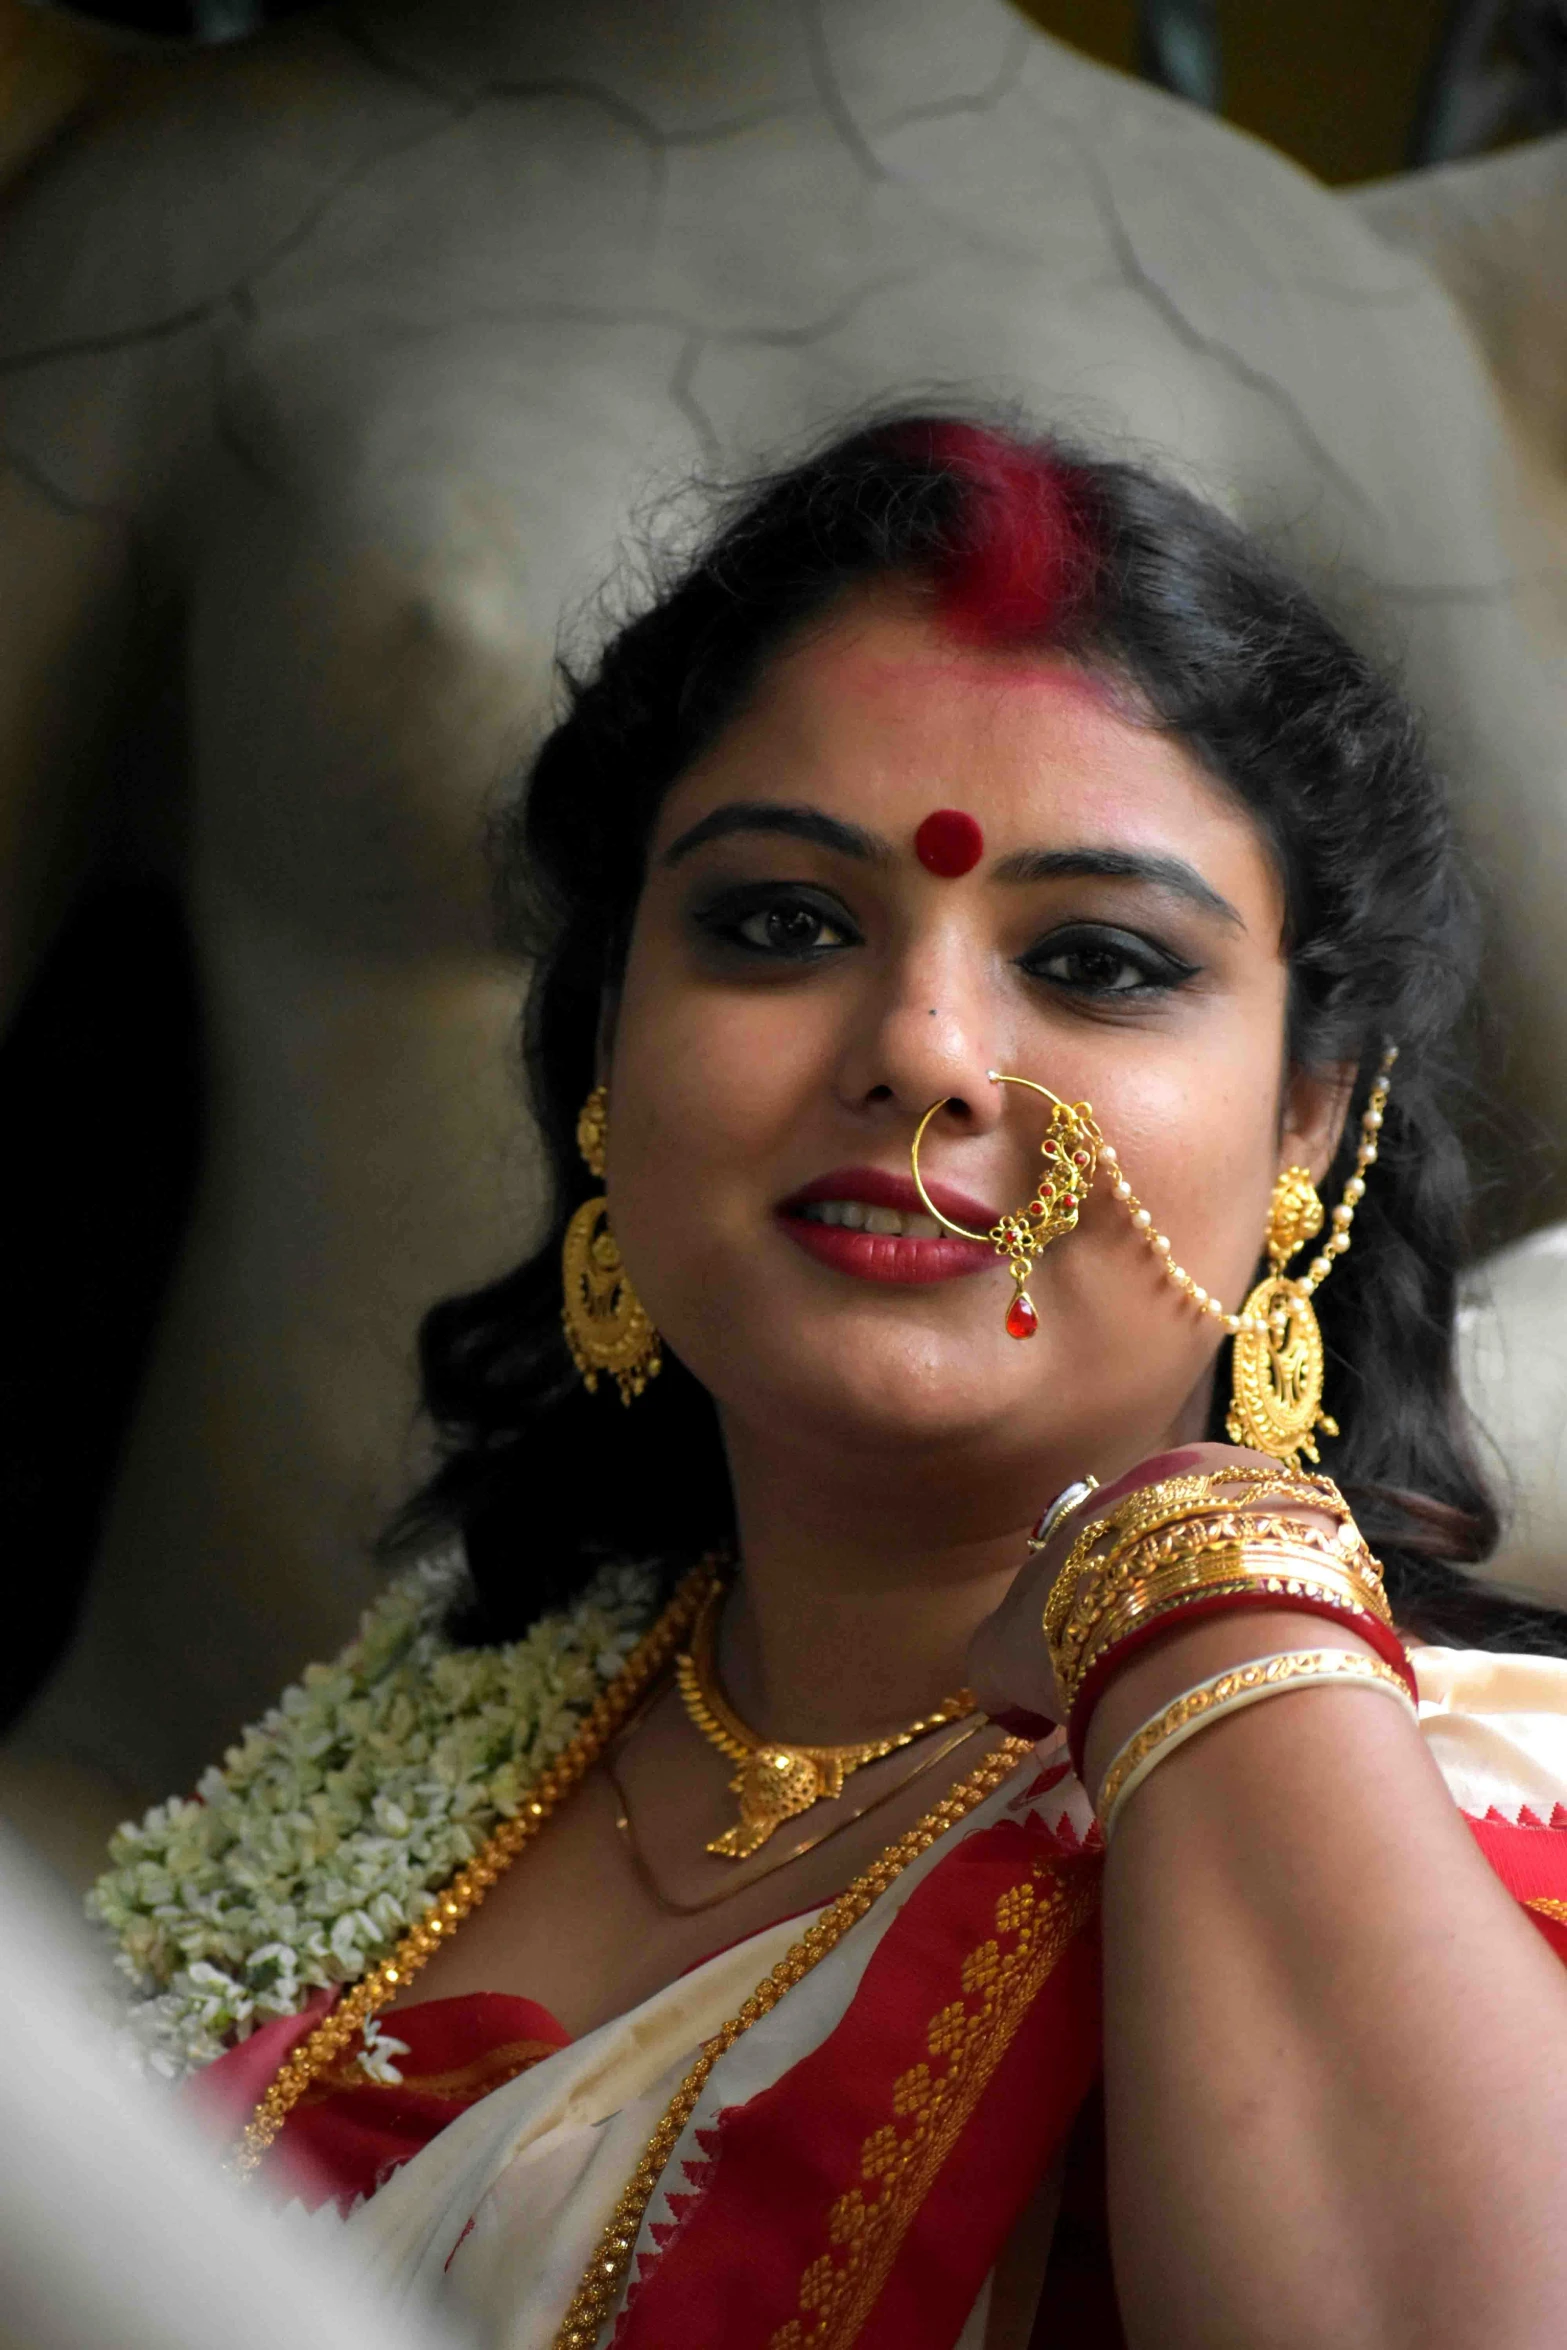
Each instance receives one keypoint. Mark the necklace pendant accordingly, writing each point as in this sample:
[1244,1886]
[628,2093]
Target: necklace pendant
[774,1784]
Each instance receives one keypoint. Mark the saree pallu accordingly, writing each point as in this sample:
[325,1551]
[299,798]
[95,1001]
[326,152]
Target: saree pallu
[858,2160]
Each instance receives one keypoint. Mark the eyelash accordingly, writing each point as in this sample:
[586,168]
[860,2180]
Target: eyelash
[725,918]
[1161,972]
[724,921]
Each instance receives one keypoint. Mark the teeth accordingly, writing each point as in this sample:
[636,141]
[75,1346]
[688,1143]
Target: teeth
[854,1216]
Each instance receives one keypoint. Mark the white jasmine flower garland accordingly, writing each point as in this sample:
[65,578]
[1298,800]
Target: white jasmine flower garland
[318,1844]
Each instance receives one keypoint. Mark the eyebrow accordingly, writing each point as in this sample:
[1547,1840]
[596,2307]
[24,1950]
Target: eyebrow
[1171,873]
[794,823]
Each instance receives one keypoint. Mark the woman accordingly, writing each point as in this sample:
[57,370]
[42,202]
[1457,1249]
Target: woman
[968,794]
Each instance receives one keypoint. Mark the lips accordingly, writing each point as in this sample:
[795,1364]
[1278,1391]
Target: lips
[900,1259]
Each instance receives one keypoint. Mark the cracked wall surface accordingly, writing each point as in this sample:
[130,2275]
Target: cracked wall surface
[367,339]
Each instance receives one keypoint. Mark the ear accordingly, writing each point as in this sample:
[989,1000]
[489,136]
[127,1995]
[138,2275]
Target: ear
[1316,1103]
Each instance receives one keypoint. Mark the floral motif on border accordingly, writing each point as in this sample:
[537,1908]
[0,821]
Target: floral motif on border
[1035,1921]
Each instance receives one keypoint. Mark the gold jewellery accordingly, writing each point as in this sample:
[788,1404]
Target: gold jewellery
[1232,1692]
[462,1895]
[1277,1359]
[1277,1371]
[606,1324]
[647,1875]
[1071,1150]
[775,1781]
[1191,1539]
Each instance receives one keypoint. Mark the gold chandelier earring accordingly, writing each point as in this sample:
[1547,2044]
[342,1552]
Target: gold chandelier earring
[1276,1363]
[1276,1373]
[1276,1370]
[1071,1151]
[606,1324]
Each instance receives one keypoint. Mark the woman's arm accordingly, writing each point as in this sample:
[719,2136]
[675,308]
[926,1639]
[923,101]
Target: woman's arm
[1336,2052]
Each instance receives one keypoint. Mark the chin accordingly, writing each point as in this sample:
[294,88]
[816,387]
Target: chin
[879,1384]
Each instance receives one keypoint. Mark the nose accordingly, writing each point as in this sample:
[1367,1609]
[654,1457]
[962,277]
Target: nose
[928,1031]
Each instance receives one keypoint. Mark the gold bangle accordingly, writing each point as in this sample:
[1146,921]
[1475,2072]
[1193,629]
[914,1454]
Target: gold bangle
[1280,1567]
[1227,1693]
[1168,1603]
[1171,1499]
[1214,1548]
[1171,1511]
[1345,1549]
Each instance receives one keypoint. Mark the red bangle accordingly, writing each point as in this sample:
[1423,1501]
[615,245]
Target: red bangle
[1103,1670]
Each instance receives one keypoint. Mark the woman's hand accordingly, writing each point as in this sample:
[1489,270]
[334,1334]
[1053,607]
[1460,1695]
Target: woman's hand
[1010,1670]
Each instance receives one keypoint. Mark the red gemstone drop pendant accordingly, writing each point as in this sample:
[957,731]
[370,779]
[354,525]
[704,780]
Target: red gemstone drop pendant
[1022,1321]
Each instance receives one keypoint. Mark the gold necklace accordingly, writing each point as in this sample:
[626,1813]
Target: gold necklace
[691,1909]
[462,1894]
[776,1781]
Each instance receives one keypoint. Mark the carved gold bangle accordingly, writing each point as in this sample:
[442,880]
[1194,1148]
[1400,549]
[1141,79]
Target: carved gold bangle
[1141,1549]
[1171,1501]
[1168,1597]
[1225,1551]
[1228,1693]
[1207,1546]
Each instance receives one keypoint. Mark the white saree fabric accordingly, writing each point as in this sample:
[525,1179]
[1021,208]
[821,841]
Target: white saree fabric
[526,2181]
[1497,1727]
[495,2221]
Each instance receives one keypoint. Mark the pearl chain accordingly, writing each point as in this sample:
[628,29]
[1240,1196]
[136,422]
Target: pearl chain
[1321,1266]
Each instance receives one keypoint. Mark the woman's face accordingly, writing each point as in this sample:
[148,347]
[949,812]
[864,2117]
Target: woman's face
[800,989]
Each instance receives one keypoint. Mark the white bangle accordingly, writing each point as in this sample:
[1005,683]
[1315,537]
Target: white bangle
[1226,1693]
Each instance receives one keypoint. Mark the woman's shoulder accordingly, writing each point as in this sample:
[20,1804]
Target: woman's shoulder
[306,1855]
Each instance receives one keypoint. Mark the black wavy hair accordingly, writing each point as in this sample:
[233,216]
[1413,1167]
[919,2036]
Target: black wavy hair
[1033,541]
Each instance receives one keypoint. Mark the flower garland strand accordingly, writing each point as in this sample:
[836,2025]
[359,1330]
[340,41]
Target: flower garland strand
[313,1851]
[354,2015]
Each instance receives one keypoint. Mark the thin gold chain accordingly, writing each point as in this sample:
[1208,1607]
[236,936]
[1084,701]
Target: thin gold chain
[710,1712]
[690,1909]
[600,2288]
[463,1894]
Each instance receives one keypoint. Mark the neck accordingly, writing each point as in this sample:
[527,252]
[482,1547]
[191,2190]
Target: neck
[863,1581]
[865,1573]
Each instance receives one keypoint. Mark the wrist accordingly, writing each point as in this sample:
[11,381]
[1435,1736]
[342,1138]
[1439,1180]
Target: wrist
[1189,1654]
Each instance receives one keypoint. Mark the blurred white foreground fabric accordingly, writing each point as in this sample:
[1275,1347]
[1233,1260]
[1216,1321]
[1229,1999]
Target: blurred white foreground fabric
[117,2231]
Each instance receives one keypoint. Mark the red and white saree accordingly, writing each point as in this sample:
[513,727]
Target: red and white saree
[880,2161]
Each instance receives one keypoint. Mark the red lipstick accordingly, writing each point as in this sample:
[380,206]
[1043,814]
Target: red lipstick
[887,1256]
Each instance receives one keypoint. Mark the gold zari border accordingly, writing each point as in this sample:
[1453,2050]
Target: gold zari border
[600,2288]
[1035,1921]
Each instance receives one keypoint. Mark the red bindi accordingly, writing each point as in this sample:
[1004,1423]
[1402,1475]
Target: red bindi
[949,843]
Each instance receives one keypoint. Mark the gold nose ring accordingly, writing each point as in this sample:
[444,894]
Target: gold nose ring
[1070,1150]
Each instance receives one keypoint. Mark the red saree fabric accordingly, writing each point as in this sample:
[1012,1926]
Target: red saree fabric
[866,2195]
[348,2134]
[862,2197]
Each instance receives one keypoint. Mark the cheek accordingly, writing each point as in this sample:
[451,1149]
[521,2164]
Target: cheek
[708,1088]
[1197,1139]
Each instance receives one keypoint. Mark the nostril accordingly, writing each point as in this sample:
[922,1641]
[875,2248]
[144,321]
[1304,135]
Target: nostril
[958,1106]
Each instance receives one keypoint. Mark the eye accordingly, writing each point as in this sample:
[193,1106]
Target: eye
[787,930]
[783,924]
[1093,960]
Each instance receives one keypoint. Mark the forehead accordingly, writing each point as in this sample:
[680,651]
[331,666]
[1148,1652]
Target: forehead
[879,717]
